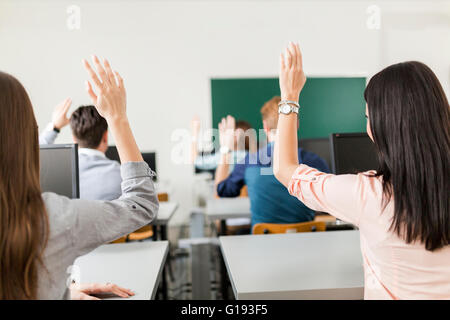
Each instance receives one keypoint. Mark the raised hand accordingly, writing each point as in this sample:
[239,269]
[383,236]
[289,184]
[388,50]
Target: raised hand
[110,96]
[292,80]
[59,116]
[292,77]
[226,132]
[110,100]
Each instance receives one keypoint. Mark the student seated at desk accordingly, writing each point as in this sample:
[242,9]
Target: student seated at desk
[90,131]
[402,209]
[238,150]
[269,200]
[43,234]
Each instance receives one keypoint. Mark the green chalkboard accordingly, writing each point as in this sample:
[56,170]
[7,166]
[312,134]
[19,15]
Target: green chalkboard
[328,105]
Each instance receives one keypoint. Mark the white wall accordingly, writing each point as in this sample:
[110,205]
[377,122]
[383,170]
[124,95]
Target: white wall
[167,51]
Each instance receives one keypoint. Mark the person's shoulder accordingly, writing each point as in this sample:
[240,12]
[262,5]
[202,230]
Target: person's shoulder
[262,157]
[110,166]
[307,154]
[58,208]
[250,157]
[98,161]
[114,163]
[240,157]
[370,175]
[371,181]
[52,199]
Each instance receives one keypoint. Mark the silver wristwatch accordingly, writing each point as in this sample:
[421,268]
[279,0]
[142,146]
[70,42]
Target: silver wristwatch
[287,108]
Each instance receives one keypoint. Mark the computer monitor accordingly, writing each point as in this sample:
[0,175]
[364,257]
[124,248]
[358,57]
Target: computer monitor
[59,169]
[111,153]
[352,153]
[149,157]
[319,146]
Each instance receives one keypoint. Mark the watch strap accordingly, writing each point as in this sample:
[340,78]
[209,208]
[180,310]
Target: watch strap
[295,103]
[292,108]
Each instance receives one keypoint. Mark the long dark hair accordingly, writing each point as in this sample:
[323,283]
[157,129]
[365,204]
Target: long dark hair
[410,122]
[23,218]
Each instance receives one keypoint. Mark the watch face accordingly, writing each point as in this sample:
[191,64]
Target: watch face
[285,108]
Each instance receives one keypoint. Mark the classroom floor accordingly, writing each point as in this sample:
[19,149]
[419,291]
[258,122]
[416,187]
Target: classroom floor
[179,268]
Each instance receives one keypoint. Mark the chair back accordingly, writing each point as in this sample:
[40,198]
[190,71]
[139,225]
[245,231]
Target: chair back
[311,226]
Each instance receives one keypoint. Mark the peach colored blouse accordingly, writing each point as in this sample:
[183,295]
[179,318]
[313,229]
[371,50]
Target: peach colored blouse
[393,269]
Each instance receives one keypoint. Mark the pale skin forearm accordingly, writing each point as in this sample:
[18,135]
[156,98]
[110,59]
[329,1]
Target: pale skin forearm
[195,130]
[226,131]
[194,151]
[285,149]
[124,139]
[292,79]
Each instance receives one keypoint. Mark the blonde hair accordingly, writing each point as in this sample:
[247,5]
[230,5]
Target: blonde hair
[269,112]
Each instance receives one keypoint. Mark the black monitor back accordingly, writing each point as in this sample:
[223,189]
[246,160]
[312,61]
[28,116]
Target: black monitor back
[352,153]
[59,169]
[149,157]
[111,153]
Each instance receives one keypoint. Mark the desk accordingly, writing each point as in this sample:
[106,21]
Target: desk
[313,265]
[137,266]
[228,208]
[165,213]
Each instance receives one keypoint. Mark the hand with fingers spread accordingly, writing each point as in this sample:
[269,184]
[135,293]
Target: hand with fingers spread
[85,291]
[292,77]
[226,138]
[59,116]
[226,132]
[109,97]
[110,100]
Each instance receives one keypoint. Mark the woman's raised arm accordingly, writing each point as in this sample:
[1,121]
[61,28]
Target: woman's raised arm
[292,80]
